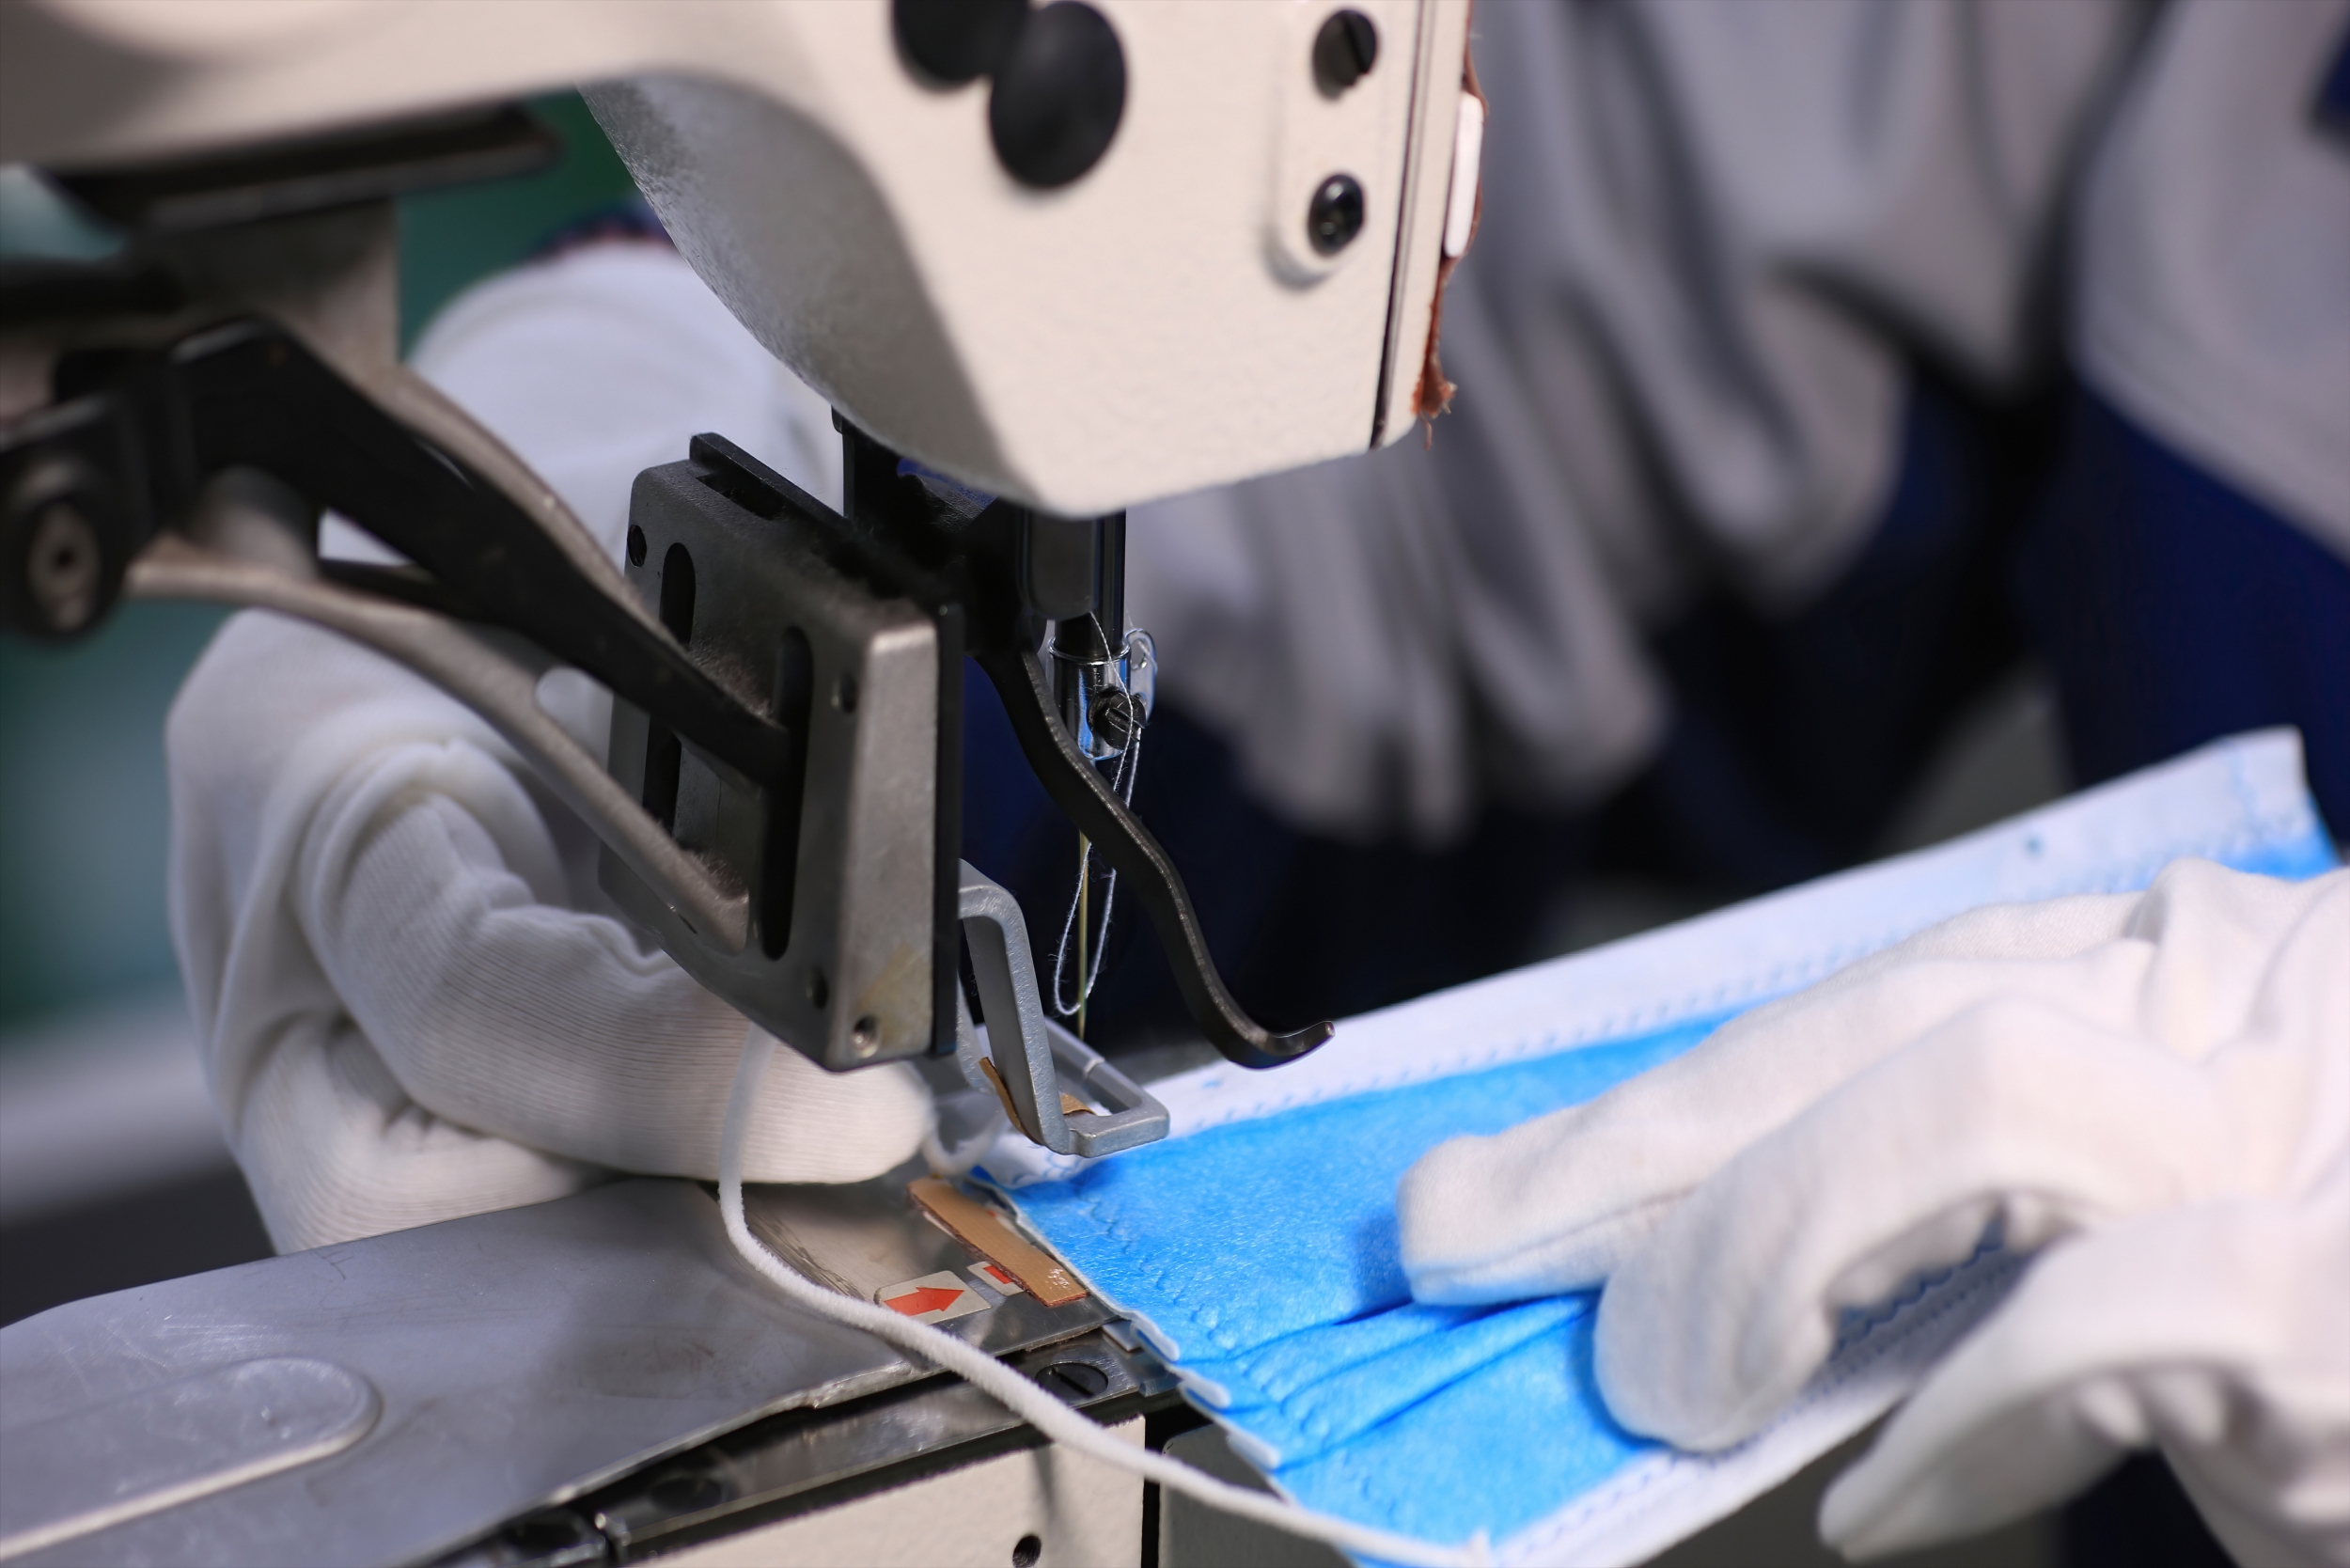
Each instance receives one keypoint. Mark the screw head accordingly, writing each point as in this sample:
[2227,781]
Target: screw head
[62,546]
[1335,216]
[687,1491]
[63,567]
[1114,719]
[1075,1380]
[1345,49]
[865,1037]
[544,1534]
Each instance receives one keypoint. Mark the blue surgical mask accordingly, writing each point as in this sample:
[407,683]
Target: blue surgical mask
[1257,1248]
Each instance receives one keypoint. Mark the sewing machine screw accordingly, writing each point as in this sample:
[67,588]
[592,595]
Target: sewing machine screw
[1119,719]
[1336,216]
[865,1037]
[57,575]
[1344,51]
[687,1491]
[61,567]
[1075,1380]
[557,1539]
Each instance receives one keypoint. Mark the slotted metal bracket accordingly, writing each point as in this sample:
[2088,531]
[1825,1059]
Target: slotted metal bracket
[1033,1057]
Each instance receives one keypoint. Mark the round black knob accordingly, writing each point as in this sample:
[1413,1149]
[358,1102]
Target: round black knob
[1335,216]
[954,41]
[1058,97]
[1344,51]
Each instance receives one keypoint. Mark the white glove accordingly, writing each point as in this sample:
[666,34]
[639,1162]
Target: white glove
[2153,1087]
[413,1000]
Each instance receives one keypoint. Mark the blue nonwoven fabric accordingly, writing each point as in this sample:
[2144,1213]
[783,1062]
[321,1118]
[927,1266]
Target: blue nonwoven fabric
[1245,1235]
[1266,1254]
[1259,1253]
[1314,1389]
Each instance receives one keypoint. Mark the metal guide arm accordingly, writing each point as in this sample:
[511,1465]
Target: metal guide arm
[138,441]
[1030,1055]
[135,466]
[496,675]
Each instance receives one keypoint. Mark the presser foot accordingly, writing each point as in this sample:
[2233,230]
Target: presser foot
[1027,1059]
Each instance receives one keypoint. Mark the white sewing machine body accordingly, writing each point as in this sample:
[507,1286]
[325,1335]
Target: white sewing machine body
[1158,323]
[1100,255]
[1068,257]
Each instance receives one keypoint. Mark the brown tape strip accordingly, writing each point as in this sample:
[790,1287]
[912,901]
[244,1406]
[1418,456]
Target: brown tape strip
[976,1226]
[1070,1103]
[996,1079]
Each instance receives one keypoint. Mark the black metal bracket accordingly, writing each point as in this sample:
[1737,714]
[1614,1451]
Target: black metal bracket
[133,436]
[1016,569]
[137,435]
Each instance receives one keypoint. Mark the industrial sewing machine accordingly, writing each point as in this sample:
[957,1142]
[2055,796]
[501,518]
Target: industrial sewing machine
[1045,262]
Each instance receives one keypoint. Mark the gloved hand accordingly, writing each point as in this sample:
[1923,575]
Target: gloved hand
[413,999]
[2153,1088]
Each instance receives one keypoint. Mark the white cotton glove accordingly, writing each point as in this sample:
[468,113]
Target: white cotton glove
[2155,1089]
[414,1001]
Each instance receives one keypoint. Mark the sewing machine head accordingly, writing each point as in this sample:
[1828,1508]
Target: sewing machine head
[1045,262]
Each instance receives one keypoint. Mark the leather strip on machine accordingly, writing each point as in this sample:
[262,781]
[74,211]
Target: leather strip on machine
[977,1227]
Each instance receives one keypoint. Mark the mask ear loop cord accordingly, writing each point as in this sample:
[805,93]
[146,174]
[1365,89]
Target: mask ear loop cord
[1028,1401]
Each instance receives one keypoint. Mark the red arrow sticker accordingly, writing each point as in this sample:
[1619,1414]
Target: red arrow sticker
[932,1298]
[924,1302]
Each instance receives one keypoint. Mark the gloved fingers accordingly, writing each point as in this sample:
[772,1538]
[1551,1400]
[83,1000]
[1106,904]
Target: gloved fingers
[1561,1202]
[2014,1112]
[333,1149]
[2215,1332]
[427,888]
[817,1126]
[2216,936]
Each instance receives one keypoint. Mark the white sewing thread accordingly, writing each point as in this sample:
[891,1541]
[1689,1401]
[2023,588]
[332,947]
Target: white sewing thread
[1122,783]
[1044,1411]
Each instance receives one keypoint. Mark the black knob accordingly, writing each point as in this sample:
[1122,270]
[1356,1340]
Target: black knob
[1336,214]
[1058,97]
[954,41]
[1344,51]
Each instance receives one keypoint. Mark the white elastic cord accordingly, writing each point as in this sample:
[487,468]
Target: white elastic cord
[1031,1403]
